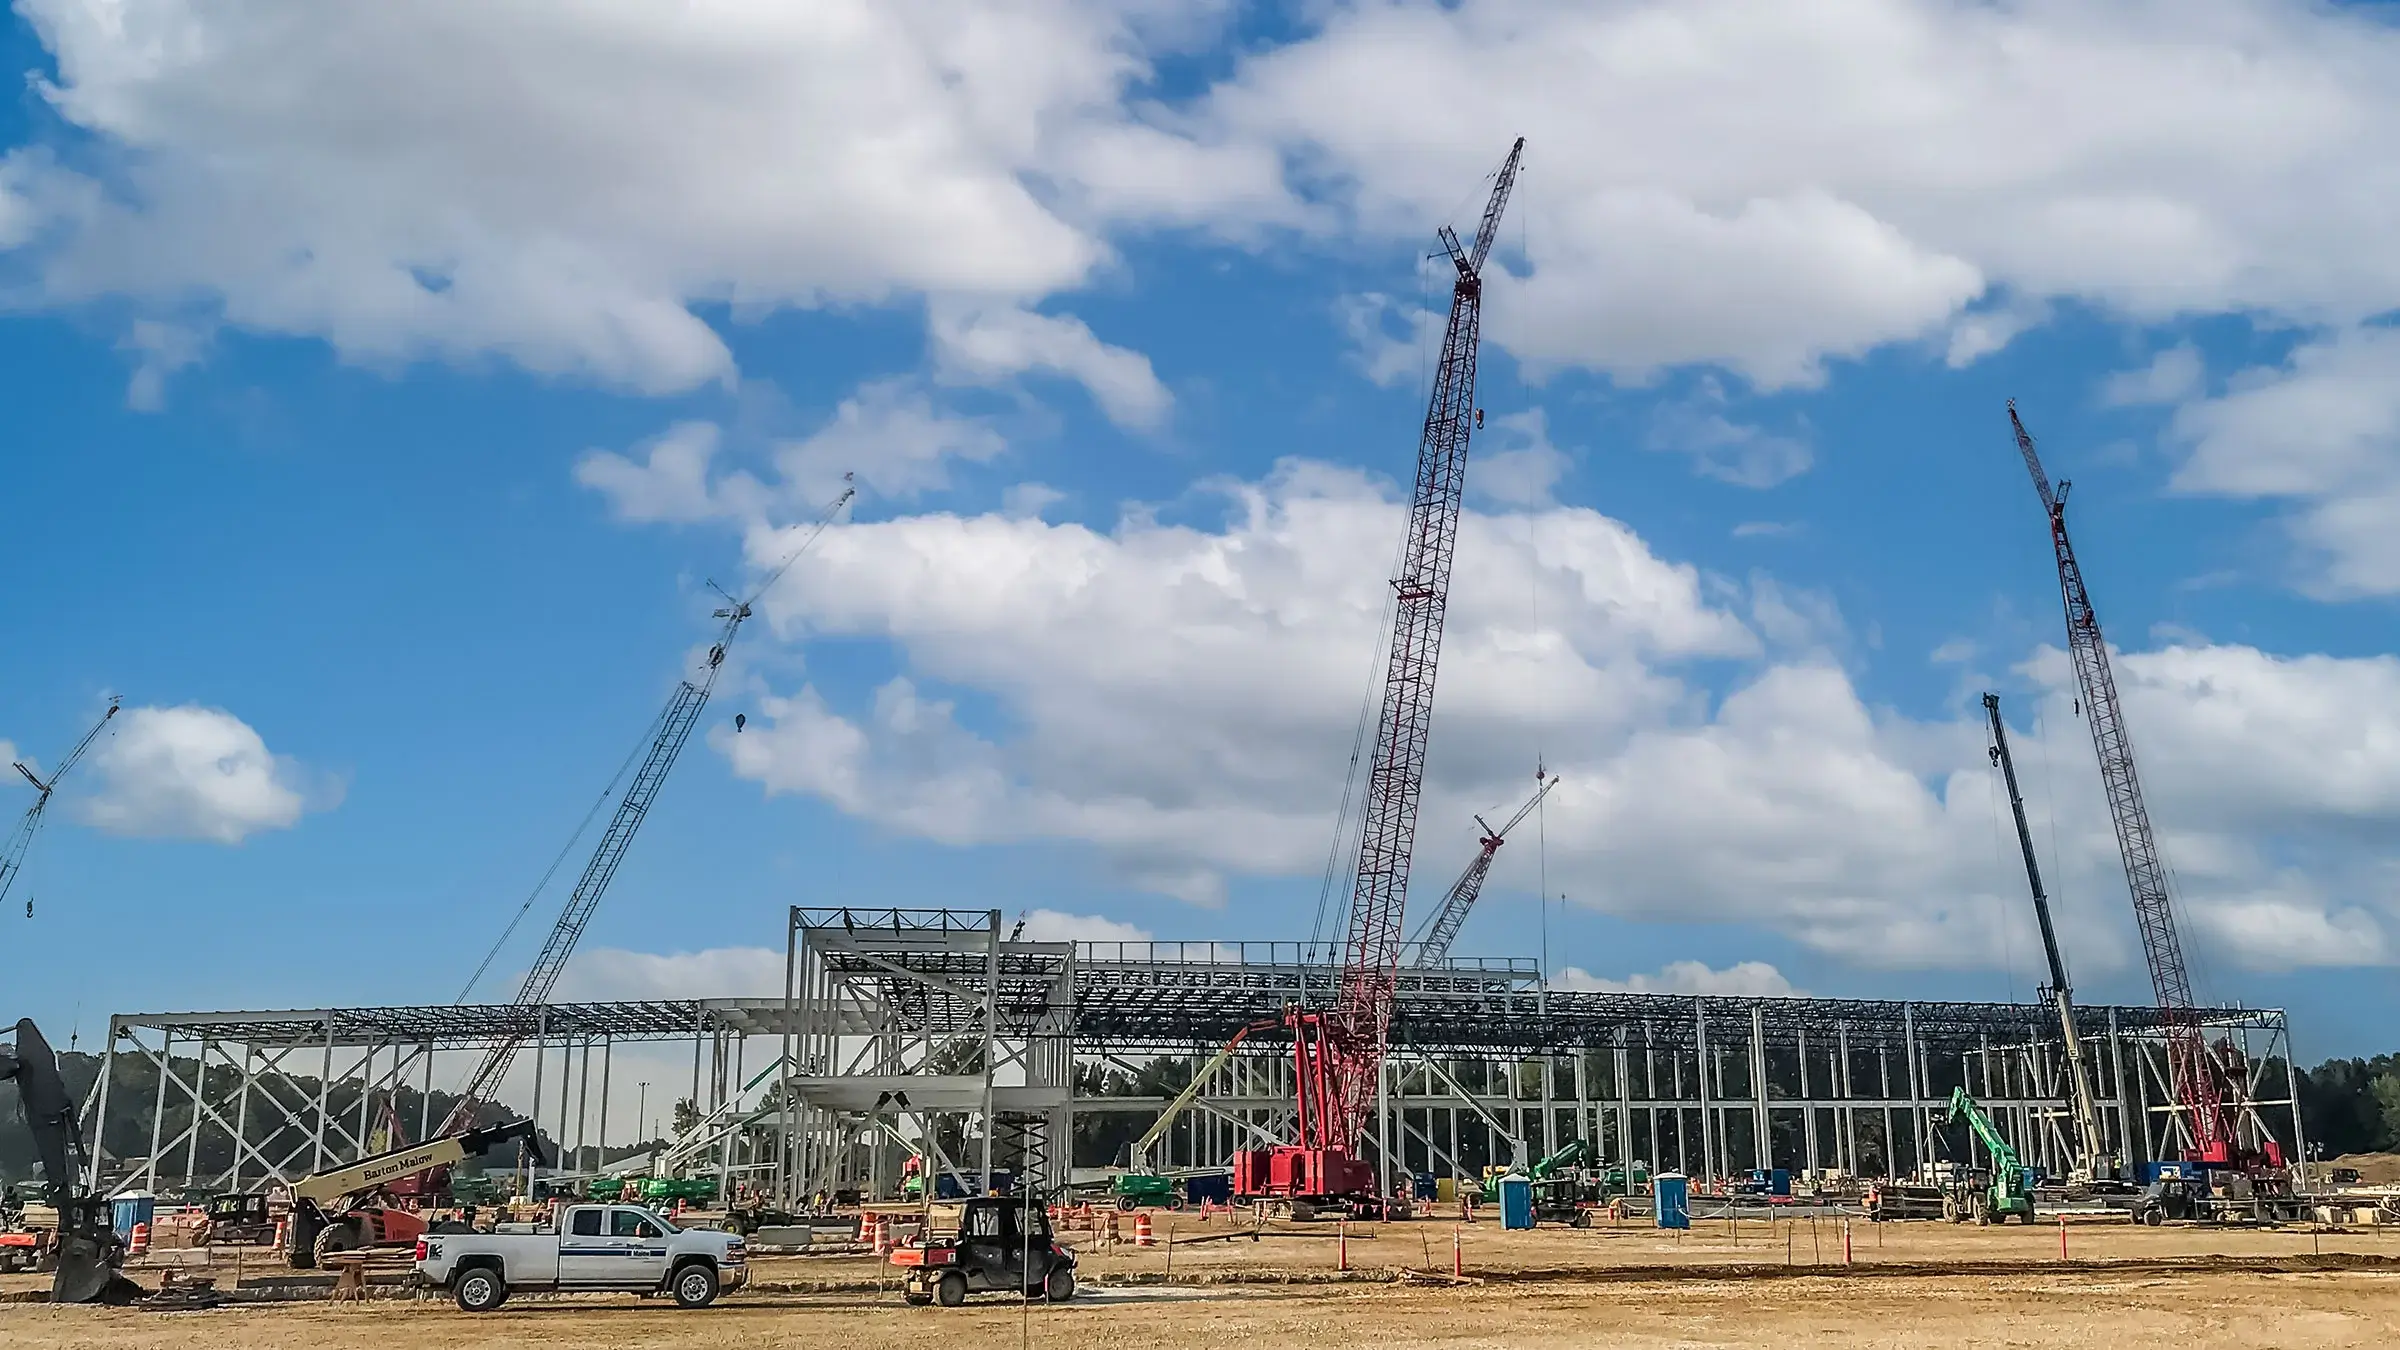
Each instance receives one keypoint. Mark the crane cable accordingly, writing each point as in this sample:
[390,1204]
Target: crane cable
[1368,702]
[649,734]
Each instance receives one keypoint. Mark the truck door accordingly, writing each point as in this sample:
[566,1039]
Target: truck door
[587,1254]
[641,1247]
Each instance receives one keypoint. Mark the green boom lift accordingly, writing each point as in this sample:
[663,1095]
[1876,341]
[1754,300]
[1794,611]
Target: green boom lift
[1143,1184]
[2008,1191]
[1562,1186]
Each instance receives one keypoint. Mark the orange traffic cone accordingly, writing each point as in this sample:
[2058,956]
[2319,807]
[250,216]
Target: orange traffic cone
[1142,1236]
[141,1240]
[883,1234]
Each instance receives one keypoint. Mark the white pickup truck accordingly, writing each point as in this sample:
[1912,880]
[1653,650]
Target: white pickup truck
[594,1247]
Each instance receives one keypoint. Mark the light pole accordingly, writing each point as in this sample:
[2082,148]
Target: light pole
[641,1110]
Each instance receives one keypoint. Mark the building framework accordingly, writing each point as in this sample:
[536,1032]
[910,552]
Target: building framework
[937,1032]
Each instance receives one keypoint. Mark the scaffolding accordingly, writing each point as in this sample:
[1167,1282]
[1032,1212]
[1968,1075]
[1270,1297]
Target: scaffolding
[935,1033]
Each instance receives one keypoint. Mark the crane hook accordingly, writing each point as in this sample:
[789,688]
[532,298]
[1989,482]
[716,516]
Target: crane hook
[739,721]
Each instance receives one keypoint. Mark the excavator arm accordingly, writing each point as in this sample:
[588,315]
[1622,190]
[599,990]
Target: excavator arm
[89,1251]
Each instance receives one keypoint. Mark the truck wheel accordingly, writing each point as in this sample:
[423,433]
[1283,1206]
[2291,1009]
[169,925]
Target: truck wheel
[2154,1217]
[1582,1219]
[479,1290]
[951,1289]
[1061,1285]
[695,1286]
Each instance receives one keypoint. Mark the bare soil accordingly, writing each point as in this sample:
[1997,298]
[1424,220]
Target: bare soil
[1911,1285]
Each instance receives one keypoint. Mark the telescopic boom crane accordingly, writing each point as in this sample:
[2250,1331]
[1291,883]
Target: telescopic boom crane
[670,731]
[1337,1054]
[2097,1163]
[1441,927]
[20,840]
[2197,1087]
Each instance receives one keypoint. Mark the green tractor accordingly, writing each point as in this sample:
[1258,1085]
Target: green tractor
[2005,1191]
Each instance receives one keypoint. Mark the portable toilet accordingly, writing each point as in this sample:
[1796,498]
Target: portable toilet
[131,1208]
[1671,1193]
[1516,1201]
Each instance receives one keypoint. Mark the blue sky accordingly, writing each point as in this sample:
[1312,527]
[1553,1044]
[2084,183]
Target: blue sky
[350,363]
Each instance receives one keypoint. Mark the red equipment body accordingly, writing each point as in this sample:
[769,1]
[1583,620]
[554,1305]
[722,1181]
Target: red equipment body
[1337,1054]
[2199,1079]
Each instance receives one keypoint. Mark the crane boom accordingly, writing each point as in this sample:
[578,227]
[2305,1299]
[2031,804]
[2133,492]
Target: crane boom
[672,729]
[20,839]
[1338,1053]
[1396,777]
[2096,1160]
[1441,927]
[2195,1080]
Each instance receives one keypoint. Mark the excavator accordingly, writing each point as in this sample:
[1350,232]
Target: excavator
[2006,1192]
[89,1256]
[343,1208]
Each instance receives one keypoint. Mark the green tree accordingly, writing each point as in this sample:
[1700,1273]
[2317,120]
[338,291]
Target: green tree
[2385,1088]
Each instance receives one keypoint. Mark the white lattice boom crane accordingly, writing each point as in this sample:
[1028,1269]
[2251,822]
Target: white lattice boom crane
[1441,927]
[669,732]
[20,840]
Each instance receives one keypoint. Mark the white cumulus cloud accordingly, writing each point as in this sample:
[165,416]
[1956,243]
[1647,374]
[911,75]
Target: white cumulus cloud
[1749,184]
[190,772]
[1768,186]
[1180,698]
[1751,979]
[2320,431]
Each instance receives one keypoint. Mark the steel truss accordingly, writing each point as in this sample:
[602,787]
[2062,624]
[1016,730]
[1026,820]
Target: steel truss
[907,1030]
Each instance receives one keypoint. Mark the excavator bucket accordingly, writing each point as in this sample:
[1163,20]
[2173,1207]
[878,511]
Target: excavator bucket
[89,1254]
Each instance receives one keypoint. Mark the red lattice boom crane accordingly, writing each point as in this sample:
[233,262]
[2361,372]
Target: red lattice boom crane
[1337,1053]
[2199,1089]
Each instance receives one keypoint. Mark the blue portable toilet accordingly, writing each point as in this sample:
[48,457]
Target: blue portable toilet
[1671,1194]
[1516,1201]
[127,1210]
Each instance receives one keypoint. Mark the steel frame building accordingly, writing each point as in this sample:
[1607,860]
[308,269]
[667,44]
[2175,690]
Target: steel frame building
[936,1031]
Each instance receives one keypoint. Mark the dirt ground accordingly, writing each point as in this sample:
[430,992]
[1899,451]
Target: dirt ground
[2375,1169]
[1914,1285]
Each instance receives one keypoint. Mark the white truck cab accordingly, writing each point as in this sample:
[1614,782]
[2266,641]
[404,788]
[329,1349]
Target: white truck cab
[593,1247]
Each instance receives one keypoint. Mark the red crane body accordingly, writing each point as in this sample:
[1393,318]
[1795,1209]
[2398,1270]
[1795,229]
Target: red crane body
[2215,1140]
[1337,1053]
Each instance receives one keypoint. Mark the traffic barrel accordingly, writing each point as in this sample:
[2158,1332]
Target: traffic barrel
[141,1240]
[1142,1236]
